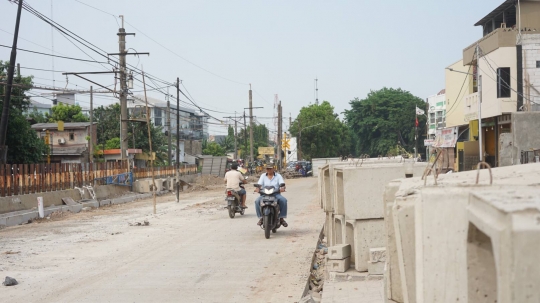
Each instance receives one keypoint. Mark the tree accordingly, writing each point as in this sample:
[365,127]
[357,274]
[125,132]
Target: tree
[24,145]
[113,143]
[323,133]
[38,117]
[66,113]
[108,119]
[384,119]
[214,149]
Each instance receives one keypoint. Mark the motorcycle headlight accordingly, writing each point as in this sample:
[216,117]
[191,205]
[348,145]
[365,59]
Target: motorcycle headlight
[268,191]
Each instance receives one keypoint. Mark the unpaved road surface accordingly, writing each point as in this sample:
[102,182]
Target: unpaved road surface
[191,252]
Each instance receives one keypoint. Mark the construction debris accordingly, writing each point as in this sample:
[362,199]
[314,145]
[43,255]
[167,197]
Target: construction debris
[145,223]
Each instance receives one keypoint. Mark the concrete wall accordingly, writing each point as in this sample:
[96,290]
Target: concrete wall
[26,202]
[453,82]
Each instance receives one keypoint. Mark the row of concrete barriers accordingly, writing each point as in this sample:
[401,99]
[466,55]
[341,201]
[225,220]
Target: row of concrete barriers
[462,239]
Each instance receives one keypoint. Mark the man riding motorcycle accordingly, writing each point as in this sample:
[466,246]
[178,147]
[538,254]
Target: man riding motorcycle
[271,178]
[233,178]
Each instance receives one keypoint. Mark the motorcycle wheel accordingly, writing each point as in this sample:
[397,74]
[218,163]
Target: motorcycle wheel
[266,224]
[242,211]
[231,212]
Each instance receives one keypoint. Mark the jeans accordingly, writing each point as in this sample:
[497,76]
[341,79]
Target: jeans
[282,201]
[241,192]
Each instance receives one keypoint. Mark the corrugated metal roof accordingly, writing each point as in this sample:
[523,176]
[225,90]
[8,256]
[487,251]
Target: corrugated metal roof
[68,125]
[495,12]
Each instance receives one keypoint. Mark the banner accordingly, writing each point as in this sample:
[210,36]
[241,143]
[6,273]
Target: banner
[266,150]
[446,137]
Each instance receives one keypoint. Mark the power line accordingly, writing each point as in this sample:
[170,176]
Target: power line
[45,54]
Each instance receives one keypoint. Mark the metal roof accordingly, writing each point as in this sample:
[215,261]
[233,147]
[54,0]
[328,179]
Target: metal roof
[495,12]
[67,125]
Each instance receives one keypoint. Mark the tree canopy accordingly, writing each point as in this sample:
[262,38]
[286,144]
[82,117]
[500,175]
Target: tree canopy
[214,149]
[323,134]
[66,113]
[24,145]
[384,119]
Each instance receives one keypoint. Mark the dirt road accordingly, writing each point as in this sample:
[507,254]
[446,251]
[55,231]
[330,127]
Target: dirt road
[190,252]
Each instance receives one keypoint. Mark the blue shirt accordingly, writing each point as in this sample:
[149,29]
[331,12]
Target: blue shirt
[275,182]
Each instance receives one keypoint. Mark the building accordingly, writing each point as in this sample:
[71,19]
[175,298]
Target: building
[193,124]
[507,69]
[436,113]
[69,145]
[38,107]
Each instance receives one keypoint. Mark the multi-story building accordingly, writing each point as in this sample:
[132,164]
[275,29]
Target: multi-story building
[193,124]
[504,67]
[436,113]
[69,145]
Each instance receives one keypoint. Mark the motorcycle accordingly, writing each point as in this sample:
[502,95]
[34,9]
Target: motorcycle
[269,208]
[233,202]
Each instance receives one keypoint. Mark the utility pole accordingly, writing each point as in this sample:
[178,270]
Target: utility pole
[245,137]
[177,140]
[316,91]
[290,122]
[235,134]
[91,141]
[168,125]
[7,92]
[280,129]
[299,146]
[123,86]
[481,154]
[250,125]
[150,143]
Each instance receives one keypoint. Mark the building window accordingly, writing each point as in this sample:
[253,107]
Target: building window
[71,136]
[158,117]
[537,64]
[503,82]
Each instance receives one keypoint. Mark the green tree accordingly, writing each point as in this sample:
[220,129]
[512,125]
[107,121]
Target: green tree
[24,145]
[323,133]
[66,113]
[108,119]
[113,143]
[37,116]
[214,149]
[384,119]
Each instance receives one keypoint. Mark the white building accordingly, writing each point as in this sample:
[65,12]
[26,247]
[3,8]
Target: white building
[436,113]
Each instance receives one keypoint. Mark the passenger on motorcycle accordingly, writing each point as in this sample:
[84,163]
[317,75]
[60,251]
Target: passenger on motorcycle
[233,178]
[271,178]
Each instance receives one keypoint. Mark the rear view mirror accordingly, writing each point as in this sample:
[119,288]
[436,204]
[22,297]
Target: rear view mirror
[257,185]
[282,185]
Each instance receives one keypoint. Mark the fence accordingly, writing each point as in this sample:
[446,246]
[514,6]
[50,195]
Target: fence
[22,179]
[163,171]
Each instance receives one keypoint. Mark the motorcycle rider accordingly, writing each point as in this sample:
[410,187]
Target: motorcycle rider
[233,178]
[271,178]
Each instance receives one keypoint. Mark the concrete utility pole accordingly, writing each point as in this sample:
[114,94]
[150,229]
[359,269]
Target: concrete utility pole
[280,129]
[250,125]
[245,137]
[481,154]
[91,141]
[299,145]
[150,142]
[168,125]
[235,135]
[177,140]
[123,90]
[8,88]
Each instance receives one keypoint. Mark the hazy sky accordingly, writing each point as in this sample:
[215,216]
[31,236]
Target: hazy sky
[277,46]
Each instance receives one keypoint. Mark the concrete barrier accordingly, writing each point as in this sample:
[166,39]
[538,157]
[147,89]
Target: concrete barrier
[503,245]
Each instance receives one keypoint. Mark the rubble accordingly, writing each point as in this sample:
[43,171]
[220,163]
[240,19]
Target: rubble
[144,223]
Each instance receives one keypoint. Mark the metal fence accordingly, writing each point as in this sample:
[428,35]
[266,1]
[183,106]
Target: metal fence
[22,179]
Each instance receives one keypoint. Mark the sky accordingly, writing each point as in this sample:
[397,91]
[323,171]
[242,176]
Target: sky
[217,48]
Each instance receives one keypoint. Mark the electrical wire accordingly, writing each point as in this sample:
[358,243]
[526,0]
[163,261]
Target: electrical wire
[45,54]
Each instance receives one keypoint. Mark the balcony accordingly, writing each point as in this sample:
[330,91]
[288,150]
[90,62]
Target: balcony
[501,37]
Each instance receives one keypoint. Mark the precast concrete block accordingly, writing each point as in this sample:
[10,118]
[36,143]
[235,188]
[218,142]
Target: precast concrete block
[349,238]
[326,189]
[104,203]
[328,224]
[75,208]
[393,278]
[503,246]
[363,188]
[338,265]
[404,233]
[367,234]
[339,229]
[377,254]
[338,192]
[376,268]
[339,252]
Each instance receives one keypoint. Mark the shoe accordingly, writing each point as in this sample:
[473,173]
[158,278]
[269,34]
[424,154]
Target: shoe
[260,222]
[283,223]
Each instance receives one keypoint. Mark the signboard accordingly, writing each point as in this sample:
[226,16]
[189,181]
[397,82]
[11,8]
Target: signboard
[446,137]
[428,142]
[266,150]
